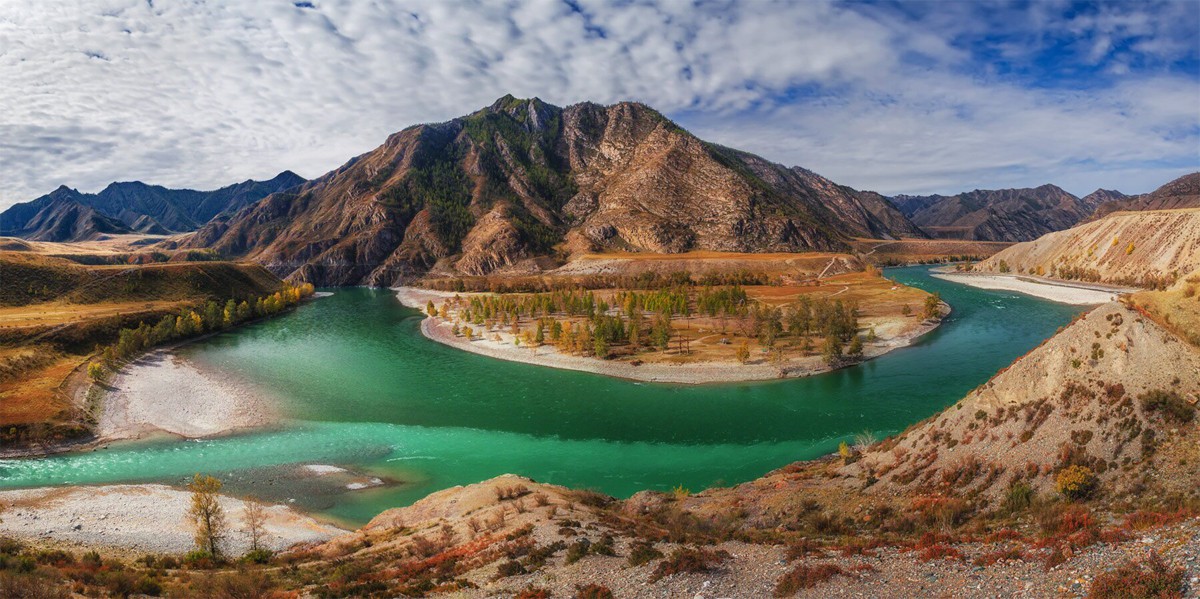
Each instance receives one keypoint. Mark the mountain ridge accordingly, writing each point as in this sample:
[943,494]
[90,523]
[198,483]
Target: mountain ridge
[142,207]
[1014,214]
[522,180]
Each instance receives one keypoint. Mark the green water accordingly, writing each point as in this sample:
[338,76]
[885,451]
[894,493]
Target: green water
[363,389]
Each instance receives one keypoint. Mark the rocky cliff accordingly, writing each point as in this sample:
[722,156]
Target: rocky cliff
[522,180]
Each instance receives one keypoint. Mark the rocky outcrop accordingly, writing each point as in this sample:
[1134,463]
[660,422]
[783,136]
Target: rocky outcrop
[522,180]
[996,215]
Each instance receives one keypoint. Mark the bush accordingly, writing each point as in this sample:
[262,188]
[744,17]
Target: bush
[1170,403]
[578,550]
[688,560]
[197,560]
[1018,498]
[643,552]
[1076,482]
[258,556]
[1149,579]
[510,568]
[534,593]
[593,591]
[805,577]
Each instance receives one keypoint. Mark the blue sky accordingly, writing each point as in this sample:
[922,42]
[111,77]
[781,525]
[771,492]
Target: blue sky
[897,97]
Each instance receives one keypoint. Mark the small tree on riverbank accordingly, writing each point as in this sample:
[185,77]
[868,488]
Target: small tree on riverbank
[206,514]
[254,524]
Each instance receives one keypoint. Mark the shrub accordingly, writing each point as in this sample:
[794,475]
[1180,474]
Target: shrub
[534,593]
[940,551]
[688,560]
[578,550]
[509,568]
[1075,482]
[1150,579]
[197,560]
[643,552]
[258,556]
[1170,403]
[805,576]
[593,591]
[1018,498]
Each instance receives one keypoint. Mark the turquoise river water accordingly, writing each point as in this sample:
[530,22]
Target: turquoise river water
[363,389]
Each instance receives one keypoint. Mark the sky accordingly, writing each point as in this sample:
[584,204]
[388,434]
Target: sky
[895,97]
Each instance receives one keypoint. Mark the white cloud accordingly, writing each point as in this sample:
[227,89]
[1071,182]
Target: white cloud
[202,94]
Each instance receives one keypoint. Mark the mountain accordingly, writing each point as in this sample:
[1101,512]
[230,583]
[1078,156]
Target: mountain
[996,215]
[58,216]
[1183,192]
[1144,249]
[150,208]
[1102,196]
[522,180]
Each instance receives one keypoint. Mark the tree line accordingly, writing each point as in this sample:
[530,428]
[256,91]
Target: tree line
[190,322]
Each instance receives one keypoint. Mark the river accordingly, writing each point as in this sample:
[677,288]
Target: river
[363,389]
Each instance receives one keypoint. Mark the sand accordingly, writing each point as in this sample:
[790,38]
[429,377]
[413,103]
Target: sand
[163,392]
[1066,293]
[690,374]
[139,519]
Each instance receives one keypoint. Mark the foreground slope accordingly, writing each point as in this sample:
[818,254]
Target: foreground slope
[522,181]
[1145,248]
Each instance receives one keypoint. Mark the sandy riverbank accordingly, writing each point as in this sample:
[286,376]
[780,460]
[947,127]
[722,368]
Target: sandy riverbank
[139,519]
[163,392]
[1066,293]
[759,369]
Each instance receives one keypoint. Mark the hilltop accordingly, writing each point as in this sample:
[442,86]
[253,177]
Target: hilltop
[1183,192]
[520,185]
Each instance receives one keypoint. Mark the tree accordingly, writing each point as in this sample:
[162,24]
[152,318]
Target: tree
[540,336]
[600,346]
[933,306]
[855,350]
[254,521]
[906,310]
[208,518]
[96,371]
[832,351]
[430,309]
[743,352]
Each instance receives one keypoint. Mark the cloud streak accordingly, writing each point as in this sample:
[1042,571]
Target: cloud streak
[894,97]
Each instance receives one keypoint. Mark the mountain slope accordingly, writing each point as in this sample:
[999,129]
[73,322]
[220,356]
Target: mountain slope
[150,208]
[996,215]
[522,180]
[1102,196]
[1183,192]
[58,217]
[1148,248]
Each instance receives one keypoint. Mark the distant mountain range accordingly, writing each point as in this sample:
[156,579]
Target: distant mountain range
[66,214]
[522,182]
[1002,214]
